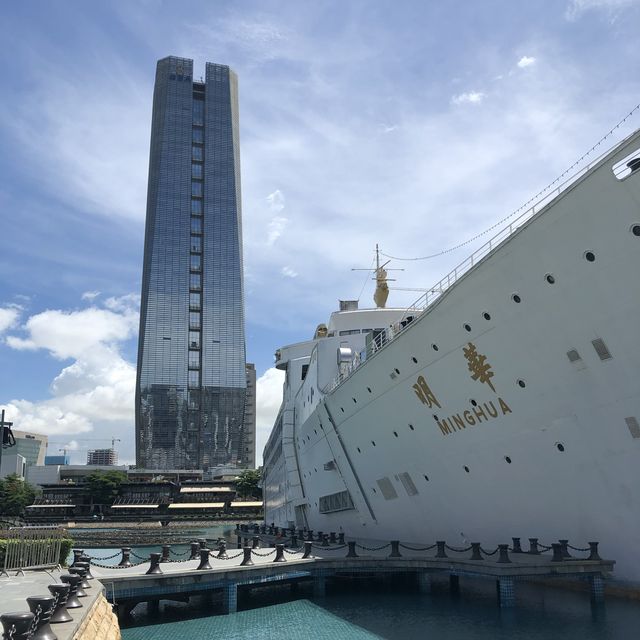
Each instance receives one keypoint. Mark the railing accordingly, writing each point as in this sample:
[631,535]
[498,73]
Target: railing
[434,292]
[32,547]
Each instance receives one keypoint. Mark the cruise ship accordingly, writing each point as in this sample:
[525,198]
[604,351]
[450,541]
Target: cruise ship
[505,402]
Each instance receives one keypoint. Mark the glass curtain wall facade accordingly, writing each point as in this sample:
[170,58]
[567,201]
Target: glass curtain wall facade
[191,379]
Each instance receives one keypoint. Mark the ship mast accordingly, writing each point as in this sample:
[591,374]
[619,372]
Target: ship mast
[381,293]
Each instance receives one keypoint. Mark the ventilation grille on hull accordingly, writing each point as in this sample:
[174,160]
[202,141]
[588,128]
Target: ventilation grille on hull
[573,355]
[634,427]
[408,485]
[601,349]
[388,492]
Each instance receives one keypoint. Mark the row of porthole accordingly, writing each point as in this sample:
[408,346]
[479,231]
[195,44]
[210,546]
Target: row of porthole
[589,256]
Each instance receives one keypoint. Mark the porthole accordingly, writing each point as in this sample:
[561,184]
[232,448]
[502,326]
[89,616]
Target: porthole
[473,402]
[516,298]
[426,477]
[486,316]
[395,433]
[397,371]
[467,327]
[635,229]
[434,347]
[314,431]
[507,459]
[373,443]
[589,256]
[359,451]
[374,491]
[369,389]
[435,417]
[466,468]
[522,384]
[342,409]
[354,401]
[315,470]
[411,427]
[559,446]
[415,360]
[549,278]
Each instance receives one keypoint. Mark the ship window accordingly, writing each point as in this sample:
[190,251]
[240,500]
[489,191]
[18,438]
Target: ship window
[342,409]
[369,389]
[397,371]
[426,477]
[467,327]
[507,459]
[550,279]
[559,446]
[516,298]
[473,402]
[359,451]
[486,316]
[373,443]
[349,332]
[589,256]
[636,230]
[354,401]
[415,360]
[522,384]
[434,347]
[395,433]
[411,427]
[466,468]
[435,417]
[305,368]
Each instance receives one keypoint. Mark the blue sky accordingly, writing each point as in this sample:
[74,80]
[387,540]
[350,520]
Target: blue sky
[413,124]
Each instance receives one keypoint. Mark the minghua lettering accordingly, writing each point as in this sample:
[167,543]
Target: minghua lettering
[473,417]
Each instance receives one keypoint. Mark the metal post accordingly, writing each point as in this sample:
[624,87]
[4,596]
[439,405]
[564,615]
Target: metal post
[256,542]
[352,550]
[294,541]
[564,548]
[42,608]
[61,593]
[395,549]
[246,560]
[77,554]
[195,547]
[517,548]
[594,551]
[204,560]
[85,563]
[17,626]
[320,536]
[332,537]
[280,553]
[441,553]
[503,553]
[154,567]
[166,550]
[307,550]
[222,550]
[325,541]
[557,552]
[341,538]
[73,582]
[475,551]
[533,546]
[125,561]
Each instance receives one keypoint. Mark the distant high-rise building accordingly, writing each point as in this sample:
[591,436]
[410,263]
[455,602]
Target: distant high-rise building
[250,417]
[191,378]
[108,457]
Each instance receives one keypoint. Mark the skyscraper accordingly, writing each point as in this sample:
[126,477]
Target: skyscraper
[191,378]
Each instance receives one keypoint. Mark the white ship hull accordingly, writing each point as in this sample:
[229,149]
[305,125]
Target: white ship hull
[551,451]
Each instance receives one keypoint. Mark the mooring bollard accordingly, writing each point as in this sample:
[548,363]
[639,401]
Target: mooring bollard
[77,554]
[17,626]
[557,552]
[320,536]
[73,582]
[204,560]
[203,543]
[256,529]
[352,550]
[517,548]
[503,553]
[246,559]
[341,538]
[307,550]
[85,565]
[310,535]
[195,548]
[125,561]
[255,542]
[294,541]
[42,608]
[441,553]
[593,555]
[395,549]
[166,550]
[325,541]
[84,584]
[533,546]
[60,592]
[237,526]
[154,567]
[263,529]
[564,548]
[332,537]
[280,553]
[475,551]
[222,550]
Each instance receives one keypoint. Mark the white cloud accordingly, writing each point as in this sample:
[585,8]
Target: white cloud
[473,97]
[612,7]
[276,200]
[526,61]
[8,318]
[289,272]
[90,295]
[268,401]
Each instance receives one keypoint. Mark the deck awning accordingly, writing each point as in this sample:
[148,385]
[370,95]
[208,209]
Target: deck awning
[205,489]
[253,505]
[50,506]
[196,505]
[135,506]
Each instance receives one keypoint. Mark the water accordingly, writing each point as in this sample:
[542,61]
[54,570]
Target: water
[392,610]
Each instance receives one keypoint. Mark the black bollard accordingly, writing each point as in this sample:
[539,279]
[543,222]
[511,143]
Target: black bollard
[325,541]
[77,554]
[222,550]
[341,538]
[533,546]
[17,626]
[271,530]
[301,534]
[332,537]
[204,560]
[256,542]
[475,551]
[503,553]
[73,581]
[280,553]
[564,548]
[307,550]
[557,552]
[263,529]
[294,541]
[352,550]
[42,608]
[154,566]
[593,546]
[203,543]
[441,553]
[166,550]
[256,529]
[195,547]
[310,535]
[87,576]
[81,593]
[517,548]
[60,592]
[246,560]
[320,536]
[395,549]
[125,561]
[237,526]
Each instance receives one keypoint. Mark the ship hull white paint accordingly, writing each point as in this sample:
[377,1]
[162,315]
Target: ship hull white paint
[589,491]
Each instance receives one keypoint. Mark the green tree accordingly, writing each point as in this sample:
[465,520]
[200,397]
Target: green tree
[104,485]
[15,495]
[248,483]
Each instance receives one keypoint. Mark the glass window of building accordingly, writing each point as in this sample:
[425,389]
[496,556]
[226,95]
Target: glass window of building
[194,282]
[194,262]
[198,135]
[194,359]
[197,153]
[198,112]
[196,189]
[196,207]
[196,170]
[194,379]
[194,339]
[196,225]
[196,244]
[194,301]
[194,320]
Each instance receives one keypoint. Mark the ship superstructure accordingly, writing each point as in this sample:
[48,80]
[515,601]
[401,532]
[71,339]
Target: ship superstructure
[506,402]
